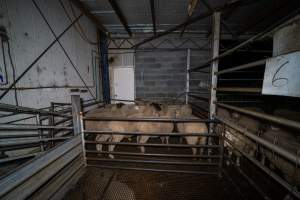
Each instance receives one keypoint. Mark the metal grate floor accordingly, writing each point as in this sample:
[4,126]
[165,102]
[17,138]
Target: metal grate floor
[107,184]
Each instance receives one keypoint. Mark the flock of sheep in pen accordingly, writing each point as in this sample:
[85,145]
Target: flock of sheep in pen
[282,137]
[149,110]
[287,139]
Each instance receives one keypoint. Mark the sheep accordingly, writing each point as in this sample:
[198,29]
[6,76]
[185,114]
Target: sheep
[289,142]
[110,110]
[167,111]
[237,139]
[287,139]
[98,125]
[185,111]
[144,111]
[151,110]
[126,126]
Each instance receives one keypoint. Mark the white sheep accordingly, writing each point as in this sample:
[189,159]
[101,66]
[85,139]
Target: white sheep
[126,126]
[185,111]
[157,127]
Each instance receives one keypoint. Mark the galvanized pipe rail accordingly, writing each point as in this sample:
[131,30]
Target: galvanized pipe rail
[292,157]
[148,119]
[152,134]
[26,110]
[154,170]
[260,35]
[244,66]
[263,116]
[269,172]
[153,144]
[152,161]
[9,143]
[152,154]
[25,127]
[239,89]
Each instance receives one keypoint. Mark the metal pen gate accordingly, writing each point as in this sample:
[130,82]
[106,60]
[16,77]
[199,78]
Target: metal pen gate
[174,157]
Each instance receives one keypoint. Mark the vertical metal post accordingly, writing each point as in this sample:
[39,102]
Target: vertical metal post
[214,69]
[188,65]
[76,109]
[215,65]
[221,144]
[51,123]
[40,131]
[77,121]
[104,67]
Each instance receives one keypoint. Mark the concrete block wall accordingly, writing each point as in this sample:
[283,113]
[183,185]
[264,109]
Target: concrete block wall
[160,75]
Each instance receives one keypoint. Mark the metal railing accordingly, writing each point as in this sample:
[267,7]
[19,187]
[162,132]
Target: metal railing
[161,160]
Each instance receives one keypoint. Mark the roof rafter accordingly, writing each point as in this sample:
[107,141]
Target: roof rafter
[121,16]
[153,16]
[87,13]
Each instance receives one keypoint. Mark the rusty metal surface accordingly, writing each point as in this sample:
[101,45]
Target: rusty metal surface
[106,184]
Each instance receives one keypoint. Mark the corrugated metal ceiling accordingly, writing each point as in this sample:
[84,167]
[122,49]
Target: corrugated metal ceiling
[172,12]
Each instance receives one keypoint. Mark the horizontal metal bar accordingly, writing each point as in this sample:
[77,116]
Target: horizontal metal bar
[8,143]
[13,148]
[30,127]
[152,154]
[26,110]
[20,136]
[15,158]
[17,120]
[263,116]
[152,161]
[155,170]
[152,134]
[260,35]
[240,79]
[62,121]
[152,145]
[273,147]
[13,180]
[269,172]
[147,119]
[199,97]
[239,89]
[252,183]
[239,101]
[240,67]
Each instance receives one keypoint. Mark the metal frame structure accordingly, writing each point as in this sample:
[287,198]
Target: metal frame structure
[59,158]
[274,148]
[90,158]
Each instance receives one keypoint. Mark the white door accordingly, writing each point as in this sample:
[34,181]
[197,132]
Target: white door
[123,83]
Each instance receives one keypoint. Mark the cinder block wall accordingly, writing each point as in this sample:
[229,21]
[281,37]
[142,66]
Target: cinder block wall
[160,75]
